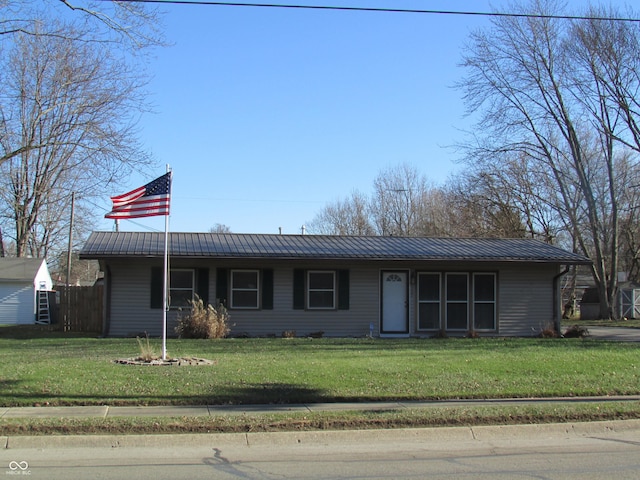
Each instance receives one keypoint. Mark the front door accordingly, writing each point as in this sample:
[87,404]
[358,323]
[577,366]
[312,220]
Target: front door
[394,311]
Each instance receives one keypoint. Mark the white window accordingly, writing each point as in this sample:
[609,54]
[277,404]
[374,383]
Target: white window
[457,293]
[429,301]
[321,289]
[484,301]
[245,288]
[181,287]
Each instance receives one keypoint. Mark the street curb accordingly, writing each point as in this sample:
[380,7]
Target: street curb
[265,439]
[578,429]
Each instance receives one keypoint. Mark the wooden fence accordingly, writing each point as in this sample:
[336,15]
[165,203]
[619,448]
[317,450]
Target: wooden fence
[80,308]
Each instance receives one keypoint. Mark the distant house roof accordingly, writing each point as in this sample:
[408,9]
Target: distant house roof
[19,269]
[230,245]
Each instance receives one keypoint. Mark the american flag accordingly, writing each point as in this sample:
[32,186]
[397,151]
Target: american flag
[147,201]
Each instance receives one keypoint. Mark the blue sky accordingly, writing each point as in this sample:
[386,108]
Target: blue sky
[267,115]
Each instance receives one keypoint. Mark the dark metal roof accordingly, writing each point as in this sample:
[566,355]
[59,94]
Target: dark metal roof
[230,245]
[19,269]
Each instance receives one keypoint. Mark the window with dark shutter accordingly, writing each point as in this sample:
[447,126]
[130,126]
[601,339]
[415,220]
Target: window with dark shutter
[343,290]
[221,286]
[245,289]
[155,288]
[321,289]
[202,288]
[182,286]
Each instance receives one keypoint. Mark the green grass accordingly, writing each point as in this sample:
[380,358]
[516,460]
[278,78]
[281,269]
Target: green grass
[348,420]
[54,369]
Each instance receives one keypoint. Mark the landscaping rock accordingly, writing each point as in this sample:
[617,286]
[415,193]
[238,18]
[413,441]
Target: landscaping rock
[184,361]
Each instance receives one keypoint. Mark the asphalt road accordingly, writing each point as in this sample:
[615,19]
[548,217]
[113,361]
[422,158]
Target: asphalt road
[618,334]
[581,451]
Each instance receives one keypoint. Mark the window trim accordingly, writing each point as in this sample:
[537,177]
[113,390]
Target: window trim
[471,301]
[430,302]
[309,290]
[493,302]
[233,289]
[172,288]
[456,302]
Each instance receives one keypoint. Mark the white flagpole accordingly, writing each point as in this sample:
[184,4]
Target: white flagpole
[165,303]
[165,284]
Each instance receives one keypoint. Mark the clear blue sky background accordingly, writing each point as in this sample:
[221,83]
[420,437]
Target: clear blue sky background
[267,115]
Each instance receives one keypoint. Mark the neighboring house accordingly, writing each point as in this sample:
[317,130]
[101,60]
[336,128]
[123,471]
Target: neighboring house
[20,281]
[340,285]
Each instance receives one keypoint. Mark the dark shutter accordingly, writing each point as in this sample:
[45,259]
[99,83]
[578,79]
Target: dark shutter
[155,288]
[222,286]
[202,288]
[298,289]
[343,289]
[267,289]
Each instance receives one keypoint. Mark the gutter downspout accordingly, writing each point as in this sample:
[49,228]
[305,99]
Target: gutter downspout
[556,299]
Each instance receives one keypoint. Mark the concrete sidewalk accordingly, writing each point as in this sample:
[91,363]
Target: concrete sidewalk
[106,411]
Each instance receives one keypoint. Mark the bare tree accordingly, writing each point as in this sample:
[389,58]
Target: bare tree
[398,206]
[68,125]
[404,203]
[220,228]
[71,91]
[469,207]
[629,181]
[437,219]
[398,201]
[127,29]
[133,26]
[515,197]
[82,272]
[606,74]
[539,87]
[347,217]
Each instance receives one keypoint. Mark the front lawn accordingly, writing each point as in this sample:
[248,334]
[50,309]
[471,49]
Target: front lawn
[62,370]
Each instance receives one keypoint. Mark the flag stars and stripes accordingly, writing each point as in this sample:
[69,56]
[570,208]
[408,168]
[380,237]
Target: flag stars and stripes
[147,201]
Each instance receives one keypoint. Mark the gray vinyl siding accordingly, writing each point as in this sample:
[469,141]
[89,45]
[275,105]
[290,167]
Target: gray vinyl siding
[524,296]
[130,300]
[363,308]
[131,314]
[525,300]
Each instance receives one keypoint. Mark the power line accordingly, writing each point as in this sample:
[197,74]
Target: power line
[383,10]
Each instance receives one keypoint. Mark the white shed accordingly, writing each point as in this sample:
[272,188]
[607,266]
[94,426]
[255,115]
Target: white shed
[629,300]
[20,281]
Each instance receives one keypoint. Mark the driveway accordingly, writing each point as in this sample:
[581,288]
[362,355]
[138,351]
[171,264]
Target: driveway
[615,333]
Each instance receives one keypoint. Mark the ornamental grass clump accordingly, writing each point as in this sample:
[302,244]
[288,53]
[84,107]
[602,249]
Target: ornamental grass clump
[203,321]
[147,352]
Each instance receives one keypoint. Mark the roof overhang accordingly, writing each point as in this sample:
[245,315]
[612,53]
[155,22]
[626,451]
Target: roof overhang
[114,245]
